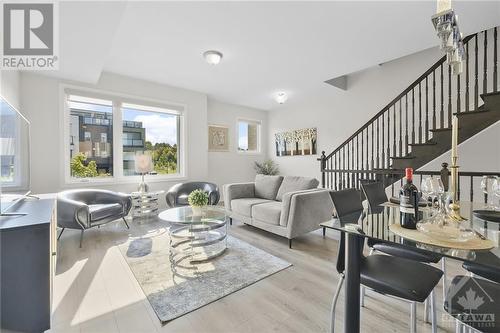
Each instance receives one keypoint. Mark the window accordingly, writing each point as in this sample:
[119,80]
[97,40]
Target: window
[138,129]
[248,136]
[150,130]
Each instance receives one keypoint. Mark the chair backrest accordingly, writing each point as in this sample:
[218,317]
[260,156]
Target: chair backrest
[349,209]
[346,201]
[374,193]
[186,188]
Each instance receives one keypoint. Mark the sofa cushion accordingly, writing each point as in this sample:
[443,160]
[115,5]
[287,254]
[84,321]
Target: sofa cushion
[102,211]
[243,206]
[294,183]
[269,212]
[266,187]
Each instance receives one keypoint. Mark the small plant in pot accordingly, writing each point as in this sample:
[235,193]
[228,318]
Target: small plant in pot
[197,200]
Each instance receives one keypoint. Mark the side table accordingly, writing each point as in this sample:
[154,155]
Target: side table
[145,204]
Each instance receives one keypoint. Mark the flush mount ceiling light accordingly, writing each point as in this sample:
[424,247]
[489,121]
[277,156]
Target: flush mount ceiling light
[281,97]
[212,57]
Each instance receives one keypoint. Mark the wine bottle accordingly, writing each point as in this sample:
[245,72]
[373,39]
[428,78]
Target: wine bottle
[408,202]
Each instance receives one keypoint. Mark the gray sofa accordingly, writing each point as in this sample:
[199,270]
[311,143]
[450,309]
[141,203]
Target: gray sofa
[287,206]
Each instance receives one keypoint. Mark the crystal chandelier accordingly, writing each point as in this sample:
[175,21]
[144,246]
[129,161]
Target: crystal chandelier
[446,24]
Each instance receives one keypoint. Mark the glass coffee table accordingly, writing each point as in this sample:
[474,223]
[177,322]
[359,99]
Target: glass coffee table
[196,238]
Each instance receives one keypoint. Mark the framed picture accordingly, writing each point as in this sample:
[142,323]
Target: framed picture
[296,142]
[218,138]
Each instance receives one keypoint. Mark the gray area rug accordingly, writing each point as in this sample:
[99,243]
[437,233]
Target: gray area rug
[173,294]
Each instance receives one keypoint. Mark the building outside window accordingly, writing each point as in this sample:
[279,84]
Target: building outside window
[143,129]
[248,136]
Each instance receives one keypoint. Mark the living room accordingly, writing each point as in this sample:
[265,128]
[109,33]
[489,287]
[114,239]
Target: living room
[198,166]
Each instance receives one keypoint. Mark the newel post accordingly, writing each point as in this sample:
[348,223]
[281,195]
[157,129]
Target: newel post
[322,160]
[445,175]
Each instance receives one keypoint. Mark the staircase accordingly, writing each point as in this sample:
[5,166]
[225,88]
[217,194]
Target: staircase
[415,127]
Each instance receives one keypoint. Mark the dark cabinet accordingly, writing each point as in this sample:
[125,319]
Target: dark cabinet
[27,263]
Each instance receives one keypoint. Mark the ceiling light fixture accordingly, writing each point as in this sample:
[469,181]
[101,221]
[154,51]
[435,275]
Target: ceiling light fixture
[281,97]
[212,57]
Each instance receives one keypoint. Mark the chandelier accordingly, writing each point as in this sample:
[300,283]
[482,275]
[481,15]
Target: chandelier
[446,24]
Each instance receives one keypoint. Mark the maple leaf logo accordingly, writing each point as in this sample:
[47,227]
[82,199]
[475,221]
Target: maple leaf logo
[470,301]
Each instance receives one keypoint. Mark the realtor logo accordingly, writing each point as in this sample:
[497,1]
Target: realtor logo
[471,304]
[29,36]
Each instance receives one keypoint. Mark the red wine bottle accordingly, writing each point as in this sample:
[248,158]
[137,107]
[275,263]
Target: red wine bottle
[408,202]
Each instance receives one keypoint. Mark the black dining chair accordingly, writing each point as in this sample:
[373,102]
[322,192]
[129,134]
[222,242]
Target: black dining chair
[401,278]
[375,195]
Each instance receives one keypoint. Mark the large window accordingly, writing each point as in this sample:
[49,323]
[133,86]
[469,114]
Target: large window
[138,128]
[248,136]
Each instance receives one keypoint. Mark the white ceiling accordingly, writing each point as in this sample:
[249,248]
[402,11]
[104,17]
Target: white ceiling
[267,46]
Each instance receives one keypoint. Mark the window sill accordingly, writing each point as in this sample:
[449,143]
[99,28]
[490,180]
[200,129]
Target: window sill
[114,181]
[248,152]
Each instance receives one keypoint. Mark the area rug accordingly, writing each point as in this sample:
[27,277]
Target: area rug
[173,294]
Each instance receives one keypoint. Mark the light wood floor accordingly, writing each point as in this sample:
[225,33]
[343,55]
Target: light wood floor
[95,291]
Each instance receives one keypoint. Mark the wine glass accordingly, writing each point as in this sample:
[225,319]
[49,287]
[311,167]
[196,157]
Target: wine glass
[425,188]
[487,185]
[438,190]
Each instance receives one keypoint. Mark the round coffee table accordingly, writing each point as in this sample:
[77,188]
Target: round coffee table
[196,238]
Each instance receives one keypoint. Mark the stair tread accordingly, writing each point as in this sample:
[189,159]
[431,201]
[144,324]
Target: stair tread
[479,111]
[430,143]
[444,129]
[402,157]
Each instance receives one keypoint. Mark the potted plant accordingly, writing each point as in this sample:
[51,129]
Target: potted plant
[197,200]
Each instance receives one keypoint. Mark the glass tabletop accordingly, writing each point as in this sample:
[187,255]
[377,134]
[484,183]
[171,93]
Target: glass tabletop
[376,225]
[185,215]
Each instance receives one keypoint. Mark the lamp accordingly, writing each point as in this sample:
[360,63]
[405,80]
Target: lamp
[143,165]
[281,97]
[213,57]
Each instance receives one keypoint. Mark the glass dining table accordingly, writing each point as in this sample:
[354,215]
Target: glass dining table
[377,226]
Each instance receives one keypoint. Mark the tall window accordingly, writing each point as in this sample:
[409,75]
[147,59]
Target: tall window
[248,136]
[150,130]
[138,129]
[91,121]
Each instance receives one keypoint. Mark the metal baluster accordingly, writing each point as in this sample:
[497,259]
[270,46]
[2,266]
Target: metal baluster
[357,158]
[441,117]
[400,129]
[373,150]
[394,130]
[434,99]
[467,102]
[367,160]
[348,165]
[413,115]
[495,60]
[449,97]
[335,173]
[383,136]
[476,70]
[343,167]
[426,136]
[378,146]
[419,113]
[362,148]
[485,62]
[388,137]
[406,125]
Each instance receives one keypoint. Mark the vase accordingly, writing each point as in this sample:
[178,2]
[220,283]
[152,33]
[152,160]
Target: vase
[197,210]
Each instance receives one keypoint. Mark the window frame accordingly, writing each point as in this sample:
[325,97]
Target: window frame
[259,134]
[117,100]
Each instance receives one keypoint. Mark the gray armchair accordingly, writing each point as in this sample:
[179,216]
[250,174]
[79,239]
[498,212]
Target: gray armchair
[87,208]
[178,194]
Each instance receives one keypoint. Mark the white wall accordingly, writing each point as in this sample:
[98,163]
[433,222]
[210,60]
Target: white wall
[9,87]
[337,113]
[234,166]
[41,102]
